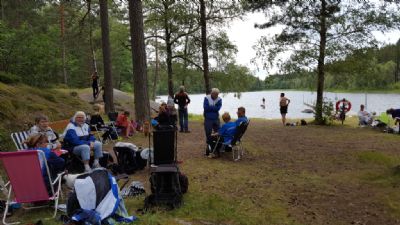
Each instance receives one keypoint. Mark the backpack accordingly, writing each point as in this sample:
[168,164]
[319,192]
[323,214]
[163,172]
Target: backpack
[126,160]
[166,190]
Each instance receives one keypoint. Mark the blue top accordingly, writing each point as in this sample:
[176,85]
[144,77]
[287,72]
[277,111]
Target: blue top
[396,113]
[227,131]
[241,119]
[78,135]
[212,107]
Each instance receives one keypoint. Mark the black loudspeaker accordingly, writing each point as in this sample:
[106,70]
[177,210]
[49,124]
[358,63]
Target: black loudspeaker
[165,187]
[164,146]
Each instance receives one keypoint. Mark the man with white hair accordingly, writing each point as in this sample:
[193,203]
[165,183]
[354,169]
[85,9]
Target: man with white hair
[182,99]
[212,104]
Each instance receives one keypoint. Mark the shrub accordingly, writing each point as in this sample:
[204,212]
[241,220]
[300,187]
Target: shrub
[9,78]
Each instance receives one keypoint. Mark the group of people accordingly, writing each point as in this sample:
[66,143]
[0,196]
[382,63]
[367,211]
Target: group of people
[366,118]
[77,139]
[212,104]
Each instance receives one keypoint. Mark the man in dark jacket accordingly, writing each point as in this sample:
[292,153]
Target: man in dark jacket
[212,104]
[182,99]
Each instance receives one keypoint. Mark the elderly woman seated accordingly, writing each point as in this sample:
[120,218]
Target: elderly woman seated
[80,141]
[42,127]
[223,137]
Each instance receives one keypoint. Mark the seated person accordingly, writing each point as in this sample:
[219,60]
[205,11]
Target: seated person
[56,164]
[164,117]
[128,127]
[42,127]
[78,138]
[395,114]
[225,133]
[241,113]
[364,117]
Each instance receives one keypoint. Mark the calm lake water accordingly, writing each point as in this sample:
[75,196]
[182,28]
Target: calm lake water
[252,102]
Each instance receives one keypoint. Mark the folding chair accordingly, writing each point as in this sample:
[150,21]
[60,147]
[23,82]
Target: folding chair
[236,143]
[19,138]
[112,116]
[26,180]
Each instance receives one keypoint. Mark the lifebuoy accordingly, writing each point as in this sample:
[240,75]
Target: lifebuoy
[346,104]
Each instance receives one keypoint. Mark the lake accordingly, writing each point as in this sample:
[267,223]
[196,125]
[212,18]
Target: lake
[252,102]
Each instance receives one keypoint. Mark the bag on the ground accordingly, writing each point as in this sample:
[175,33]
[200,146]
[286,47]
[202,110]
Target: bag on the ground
[96,200]
[166,190]
[126,157]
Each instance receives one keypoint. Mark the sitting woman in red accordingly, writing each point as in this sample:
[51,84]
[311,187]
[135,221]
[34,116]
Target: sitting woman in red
[128,127]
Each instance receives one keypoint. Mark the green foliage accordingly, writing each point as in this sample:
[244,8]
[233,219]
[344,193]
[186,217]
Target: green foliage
[327,112]
[9,78]
[365,69]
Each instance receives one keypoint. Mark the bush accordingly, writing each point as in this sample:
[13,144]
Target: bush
[9,78]
[327,112]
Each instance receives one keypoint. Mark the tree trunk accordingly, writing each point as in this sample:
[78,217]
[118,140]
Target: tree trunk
[156,71]
[62,28]
[397,71]
[168,45]
[108,81]
[142,104]
[321,64]
[2,10]
[203,24]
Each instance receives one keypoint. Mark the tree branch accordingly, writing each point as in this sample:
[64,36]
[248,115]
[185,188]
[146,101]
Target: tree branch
[188,60]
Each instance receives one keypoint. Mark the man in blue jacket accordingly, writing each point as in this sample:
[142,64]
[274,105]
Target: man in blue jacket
[212,104]
[241,113]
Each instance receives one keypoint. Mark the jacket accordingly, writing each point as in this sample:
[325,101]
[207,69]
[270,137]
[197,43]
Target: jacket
[211,107]
[78,135]
[50,134]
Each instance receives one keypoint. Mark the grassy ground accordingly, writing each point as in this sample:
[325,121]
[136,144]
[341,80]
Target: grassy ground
[289,175]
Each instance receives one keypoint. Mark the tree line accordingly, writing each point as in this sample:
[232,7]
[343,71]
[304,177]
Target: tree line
[159,44]
[365,69]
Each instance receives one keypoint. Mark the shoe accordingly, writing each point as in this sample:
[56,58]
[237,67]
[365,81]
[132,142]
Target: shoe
[181,131]
[96,165]
[187,131]
[212,155]
[88,170]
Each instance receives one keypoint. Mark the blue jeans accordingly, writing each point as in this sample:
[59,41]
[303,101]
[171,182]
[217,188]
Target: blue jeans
[183,119]
[209,126]
[84,151]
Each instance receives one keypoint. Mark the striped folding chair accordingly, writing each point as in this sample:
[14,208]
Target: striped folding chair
[19,138]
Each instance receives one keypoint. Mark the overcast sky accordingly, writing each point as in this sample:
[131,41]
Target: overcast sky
[244,35]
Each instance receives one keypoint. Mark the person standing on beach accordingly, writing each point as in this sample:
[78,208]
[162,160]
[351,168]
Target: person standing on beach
[283,104]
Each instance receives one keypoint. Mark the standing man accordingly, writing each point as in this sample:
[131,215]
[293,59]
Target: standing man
[283,103]
[212,104]
[95,84]
[182,99]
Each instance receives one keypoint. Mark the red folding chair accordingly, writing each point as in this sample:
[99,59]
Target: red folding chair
[26,180]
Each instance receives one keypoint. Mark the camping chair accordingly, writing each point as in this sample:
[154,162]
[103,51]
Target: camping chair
[236,143]
[112,116]
[26,180]
[19,138]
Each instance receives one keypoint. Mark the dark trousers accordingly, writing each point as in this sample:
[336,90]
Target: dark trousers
[209,126]
[216,144]
[183,119]
[95,91]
